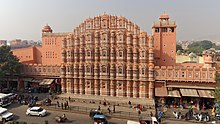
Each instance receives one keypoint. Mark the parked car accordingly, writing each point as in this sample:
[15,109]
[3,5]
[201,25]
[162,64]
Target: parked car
[36,111]
[6,116]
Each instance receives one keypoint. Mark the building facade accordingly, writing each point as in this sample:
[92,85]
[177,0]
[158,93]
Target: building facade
[109,56]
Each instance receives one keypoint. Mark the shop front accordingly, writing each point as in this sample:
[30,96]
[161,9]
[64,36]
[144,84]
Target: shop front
[184,97]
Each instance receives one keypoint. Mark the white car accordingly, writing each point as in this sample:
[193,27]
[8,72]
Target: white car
[37,111]
[5,114]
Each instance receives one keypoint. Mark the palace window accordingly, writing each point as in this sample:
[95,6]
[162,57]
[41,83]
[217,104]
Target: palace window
[171,29]
[176,74]
[120,53]
[190,74]
[163,74]
[104,53]
[103,69]
[169,74]
[88,53]
[143,71]
[183,74]
[196,74]
[203,75]
[164,29]
[157,29]
[120,70]
[210,75]
[143,53]
[156,73]
[88,69]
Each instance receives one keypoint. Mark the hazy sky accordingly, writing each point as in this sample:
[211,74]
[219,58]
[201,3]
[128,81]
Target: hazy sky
[24,19]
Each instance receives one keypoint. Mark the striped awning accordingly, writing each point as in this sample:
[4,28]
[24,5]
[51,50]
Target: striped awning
[161,91]
[46,82]
[205,93]
[174,93]
[189,92]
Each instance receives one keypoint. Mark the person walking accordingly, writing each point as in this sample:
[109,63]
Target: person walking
[58,104]
[69,98]
[62,105]
[99,108]
[65,105]
[113,108]
[109,110]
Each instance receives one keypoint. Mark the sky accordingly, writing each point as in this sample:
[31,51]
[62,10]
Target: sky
[24,19]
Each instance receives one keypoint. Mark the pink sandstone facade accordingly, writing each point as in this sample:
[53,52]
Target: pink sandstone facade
[109,56]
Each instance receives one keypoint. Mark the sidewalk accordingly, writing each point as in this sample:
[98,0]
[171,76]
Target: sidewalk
[121,104]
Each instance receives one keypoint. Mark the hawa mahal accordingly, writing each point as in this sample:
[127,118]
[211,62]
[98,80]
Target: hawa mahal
[110,56]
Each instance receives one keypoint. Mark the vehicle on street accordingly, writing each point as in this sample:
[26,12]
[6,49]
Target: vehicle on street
[149,120]
[6,116]
[61,119]
[94,112]
[100,119]
[36,111]
[47,102]
[4,100]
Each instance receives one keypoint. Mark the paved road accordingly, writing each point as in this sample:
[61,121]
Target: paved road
[19,115]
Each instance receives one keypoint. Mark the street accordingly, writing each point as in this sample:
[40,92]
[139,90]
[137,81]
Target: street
[19,115]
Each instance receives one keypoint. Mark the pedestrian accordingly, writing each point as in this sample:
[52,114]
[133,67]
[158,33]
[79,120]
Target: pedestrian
[104,102]
[62,105]
[129,103]
[65,105]
[99,108]
[58,104]
[113,108]
[139,112]
[109,110]
[69,98]
[151,114]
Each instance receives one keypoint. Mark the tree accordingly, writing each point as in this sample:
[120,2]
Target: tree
[217,89]
[179,47]
[9,64]
[200,46]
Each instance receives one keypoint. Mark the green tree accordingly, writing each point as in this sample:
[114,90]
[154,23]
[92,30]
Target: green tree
[9,64]
[217,90]
[179,47]
[200,46]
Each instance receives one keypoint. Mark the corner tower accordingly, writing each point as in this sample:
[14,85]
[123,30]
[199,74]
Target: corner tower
[164,33]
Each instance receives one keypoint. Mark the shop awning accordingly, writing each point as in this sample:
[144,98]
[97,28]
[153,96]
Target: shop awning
[189,92]
[46,82]
[37,80]
[27,79]
[192,87]
[205,93]
[161,91]
[174,93]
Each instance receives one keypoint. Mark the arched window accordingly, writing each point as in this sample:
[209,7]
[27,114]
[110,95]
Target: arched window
[120,53]
[104,53]
[120,70]
[88,69]
[104,69]
[88,53]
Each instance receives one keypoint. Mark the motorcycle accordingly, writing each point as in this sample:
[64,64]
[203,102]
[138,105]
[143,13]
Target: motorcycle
[61,119]
[178,115]
[203,116]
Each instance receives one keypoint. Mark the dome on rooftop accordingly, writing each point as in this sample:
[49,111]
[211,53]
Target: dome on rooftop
[164,16]
[47,28]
